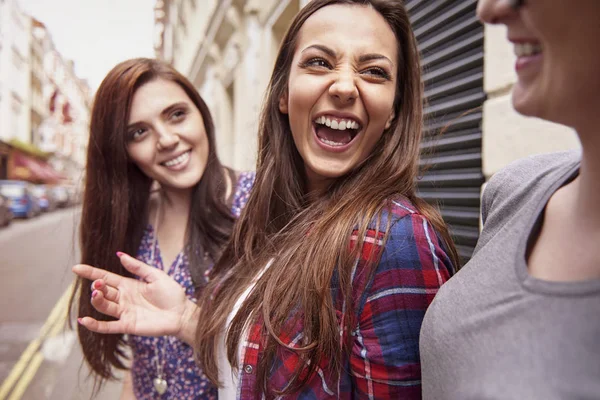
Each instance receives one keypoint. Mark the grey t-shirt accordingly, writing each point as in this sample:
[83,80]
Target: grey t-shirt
[495,332]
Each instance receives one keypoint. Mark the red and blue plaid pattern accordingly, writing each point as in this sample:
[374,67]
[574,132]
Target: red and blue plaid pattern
[391,303]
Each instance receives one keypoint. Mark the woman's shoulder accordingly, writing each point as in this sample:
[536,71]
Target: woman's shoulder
[531,171]
[245,178]
[245,181]
[412,238]
[401,230]
[394,209]
[524,179]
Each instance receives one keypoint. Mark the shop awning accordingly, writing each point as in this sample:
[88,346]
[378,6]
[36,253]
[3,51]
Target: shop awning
[29,169]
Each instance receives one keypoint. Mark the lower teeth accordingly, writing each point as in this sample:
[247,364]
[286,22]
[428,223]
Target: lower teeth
[331,143]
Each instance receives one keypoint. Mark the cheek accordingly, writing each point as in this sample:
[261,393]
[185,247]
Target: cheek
[303,93]
[380,109]
[140,154]
[203,144]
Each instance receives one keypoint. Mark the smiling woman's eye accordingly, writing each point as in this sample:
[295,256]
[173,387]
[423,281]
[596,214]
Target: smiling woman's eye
[136,134]
[178,115]
[377,72]
[316,62]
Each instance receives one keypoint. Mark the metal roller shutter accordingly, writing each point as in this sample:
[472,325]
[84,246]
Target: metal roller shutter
[451,43]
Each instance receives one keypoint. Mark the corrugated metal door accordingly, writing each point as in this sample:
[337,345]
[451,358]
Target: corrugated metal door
[451,43]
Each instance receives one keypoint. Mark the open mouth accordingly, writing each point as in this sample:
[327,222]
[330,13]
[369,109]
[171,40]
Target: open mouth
[336,132]
[529,53]
[178,161]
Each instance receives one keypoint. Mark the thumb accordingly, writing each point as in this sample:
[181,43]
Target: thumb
[144,271]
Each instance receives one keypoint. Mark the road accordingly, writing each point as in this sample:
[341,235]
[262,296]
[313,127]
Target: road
[40,357]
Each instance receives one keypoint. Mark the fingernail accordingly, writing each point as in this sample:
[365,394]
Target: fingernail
[79,321]
[119,254]
[94,294]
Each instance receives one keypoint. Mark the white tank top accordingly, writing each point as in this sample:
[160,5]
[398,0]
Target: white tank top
[228,377]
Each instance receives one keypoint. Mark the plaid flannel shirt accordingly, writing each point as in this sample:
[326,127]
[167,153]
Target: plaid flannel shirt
[390,306]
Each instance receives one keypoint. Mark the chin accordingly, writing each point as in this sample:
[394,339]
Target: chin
[523,106]
[330,172]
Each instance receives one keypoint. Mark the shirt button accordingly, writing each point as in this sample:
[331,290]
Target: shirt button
[248,369]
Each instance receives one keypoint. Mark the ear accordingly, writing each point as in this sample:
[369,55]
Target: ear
[283,103]
[390,119]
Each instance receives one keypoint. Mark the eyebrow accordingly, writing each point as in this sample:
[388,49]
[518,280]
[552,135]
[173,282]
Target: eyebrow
[172,107]
[163,113]
[362,58]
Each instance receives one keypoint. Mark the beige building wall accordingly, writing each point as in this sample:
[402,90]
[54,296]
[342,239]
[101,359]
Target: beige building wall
[227,48]
[15,73]
[507,135]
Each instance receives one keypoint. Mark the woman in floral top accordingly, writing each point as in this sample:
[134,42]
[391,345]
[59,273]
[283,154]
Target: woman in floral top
[155,188]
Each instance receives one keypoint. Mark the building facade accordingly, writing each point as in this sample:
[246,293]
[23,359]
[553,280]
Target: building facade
[44,106]
[15,73]
[227,48]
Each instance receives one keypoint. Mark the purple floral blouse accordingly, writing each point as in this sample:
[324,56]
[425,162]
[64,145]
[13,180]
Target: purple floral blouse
[185,380]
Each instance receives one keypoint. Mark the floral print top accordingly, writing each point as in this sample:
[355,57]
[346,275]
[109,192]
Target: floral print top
[185,380]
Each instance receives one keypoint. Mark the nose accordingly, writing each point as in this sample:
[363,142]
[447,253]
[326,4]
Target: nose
[344,88]
[167,138]
[495,11]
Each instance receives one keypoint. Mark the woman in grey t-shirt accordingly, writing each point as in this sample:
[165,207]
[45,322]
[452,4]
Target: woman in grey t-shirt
[522,319]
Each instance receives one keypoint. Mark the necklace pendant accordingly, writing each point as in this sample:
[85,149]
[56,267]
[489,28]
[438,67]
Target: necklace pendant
[160,385]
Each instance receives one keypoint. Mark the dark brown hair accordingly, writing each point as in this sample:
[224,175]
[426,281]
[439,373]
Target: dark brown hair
[278,216]
[116,196]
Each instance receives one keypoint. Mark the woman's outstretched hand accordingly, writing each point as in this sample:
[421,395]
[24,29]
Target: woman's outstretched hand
[155,305]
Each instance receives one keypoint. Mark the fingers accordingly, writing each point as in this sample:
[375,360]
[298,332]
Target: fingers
[102,326]
[93,273]
[105,306]
[110,293]
[145,272]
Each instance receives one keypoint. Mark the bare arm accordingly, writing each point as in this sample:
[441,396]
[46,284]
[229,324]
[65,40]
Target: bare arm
[127,391]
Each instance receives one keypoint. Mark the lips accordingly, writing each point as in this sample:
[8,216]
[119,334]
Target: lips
[529,52]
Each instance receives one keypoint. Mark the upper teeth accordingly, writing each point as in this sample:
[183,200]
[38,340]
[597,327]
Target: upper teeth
[339,124]
[178,160]
[527,49]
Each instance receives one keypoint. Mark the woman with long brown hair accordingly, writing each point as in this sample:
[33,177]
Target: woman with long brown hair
[321,291]
[149,126]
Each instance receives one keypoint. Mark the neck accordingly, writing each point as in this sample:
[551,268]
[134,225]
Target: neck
[316,186]
[175,204]
[587,185]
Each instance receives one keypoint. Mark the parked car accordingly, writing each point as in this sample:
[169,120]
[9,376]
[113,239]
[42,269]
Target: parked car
[6,214]
[60,195]
[45,198]
[23,202]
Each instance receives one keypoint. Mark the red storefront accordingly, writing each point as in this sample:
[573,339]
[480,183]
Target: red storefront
[4,154]
[22,166]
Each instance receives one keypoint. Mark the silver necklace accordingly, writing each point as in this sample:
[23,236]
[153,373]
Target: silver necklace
[159,382]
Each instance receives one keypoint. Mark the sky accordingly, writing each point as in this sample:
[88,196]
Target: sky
[96,34]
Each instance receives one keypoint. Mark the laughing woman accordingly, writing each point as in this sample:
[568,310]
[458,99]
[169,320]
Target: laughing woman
[521,319]
[323,287]
[149,125]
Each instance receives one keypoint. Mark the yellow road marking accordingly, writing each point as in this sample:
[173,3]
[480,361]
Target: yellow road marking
[27,377]
[31,358]
[19,367]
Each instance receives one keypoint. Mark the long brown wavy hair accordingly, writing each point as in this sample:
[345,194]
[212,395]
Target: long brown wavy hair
[116,197]
[308,241]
